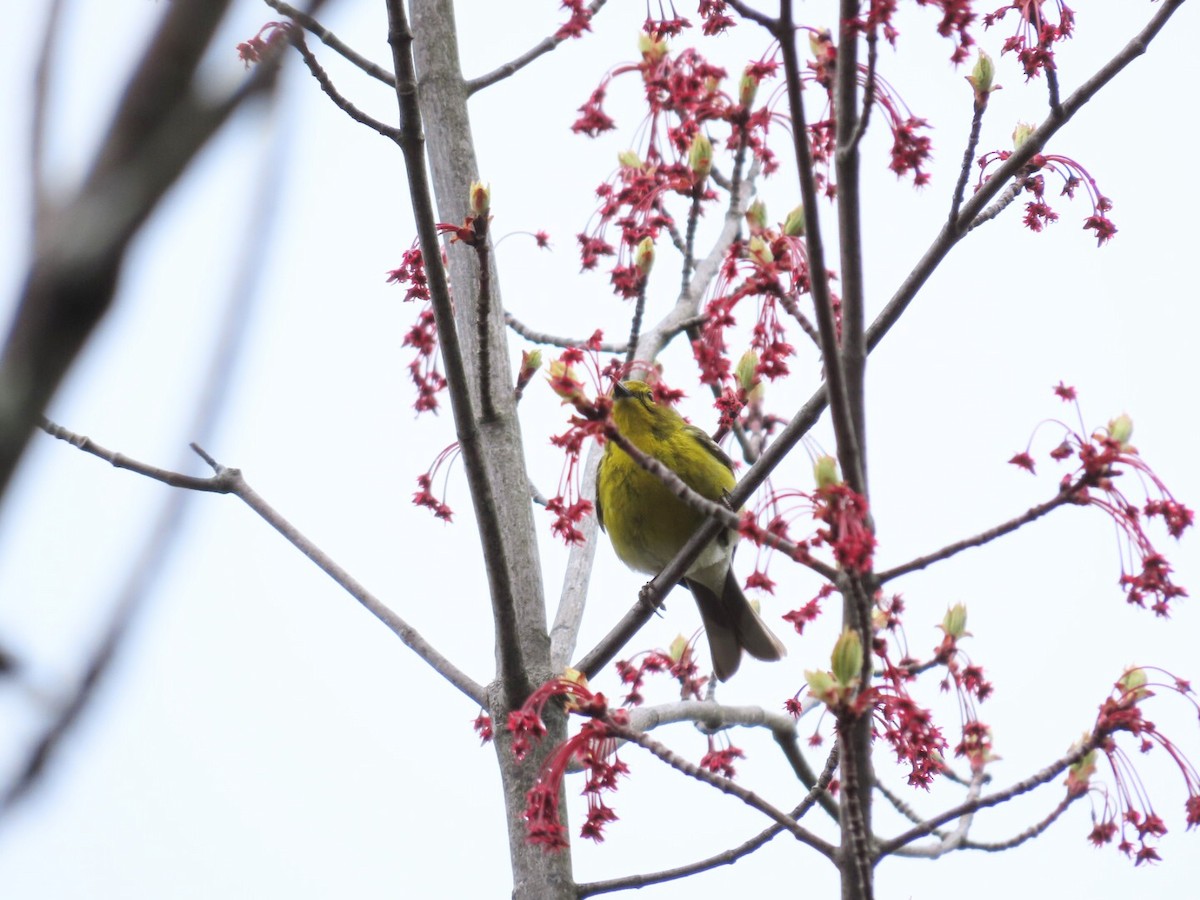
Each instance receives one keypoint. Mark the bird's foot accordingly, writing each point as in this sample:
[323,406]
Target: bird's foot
[647,599]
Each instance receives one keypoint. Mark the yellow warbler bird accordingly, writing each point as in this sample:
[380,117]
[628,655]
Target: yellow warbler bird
[648,524]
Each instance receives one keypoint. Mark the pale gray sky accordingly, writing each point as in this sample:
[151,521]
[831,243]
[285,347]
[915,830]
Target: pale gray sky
[262,736]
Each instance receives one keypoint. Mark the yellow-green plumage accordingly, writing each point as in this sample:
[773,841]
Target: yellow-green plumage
[648,524]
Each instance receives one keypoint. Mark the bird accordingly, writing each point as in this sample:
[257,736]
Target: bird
[648,524]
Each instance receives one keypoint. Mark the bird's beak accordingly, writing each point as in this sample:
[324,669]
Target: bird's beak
[620,391]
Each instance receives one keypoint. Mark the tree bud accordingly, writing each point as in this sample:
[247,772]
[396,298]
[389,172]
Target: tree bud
[847,658]
[793,226]
[643,256]
[700,157]
[481,198]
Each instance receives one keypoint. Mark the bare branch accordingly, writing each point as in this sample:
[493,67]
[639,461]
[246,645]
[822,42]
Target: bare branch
[725,858]
[487,406]
[968,162]
[332,41]
[714,716]
[1052,88]
[750,13]
[159,126]
[407,634]
[1030,515]
[230,481]
[748,797]
[388,131]
[510,68]
[831,347]
[1031,832]
[568,618]
[1002,202]
[215,484]
[635,324]
[514,674]
[40,202]
[1047,774]
[1011,168]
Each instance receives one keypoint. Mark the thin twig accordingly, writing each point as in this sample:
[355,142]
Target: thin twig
[1047,774]
[1052,88]
[635,324]
[748,797]
[510,68]
[332,41]
[1030,515]
[39,196]
[968,160]
[487,407]
[388,131]
[753,15]
[1029,833]
[553,340]
[725,858]
[231,481]
[868,101]
[1007,196]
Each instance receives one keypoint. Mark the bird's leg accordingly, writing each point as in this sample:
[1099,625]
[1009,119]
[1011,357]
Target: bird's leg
[648,600]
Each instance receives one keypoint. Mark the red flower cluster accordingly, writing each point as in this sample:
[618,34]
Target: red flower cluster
[424,495]
[422,336]
[809,611]
[1127,810]
[845,513]
[909,728]
[956,17]
[253,50]
[579,22]
[590,419]
[1102,458]
[594,747]
[683,669]
[719,760]
[715,18]
[683,94]
[1038,212]
[1036,34]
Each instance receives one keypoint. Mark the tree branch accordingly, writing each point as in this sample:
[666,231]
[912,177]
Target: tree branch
[230,481]
[513,672]
[510,68]
[831,349]
[725,858]
[1051,771]
[332,41]
[751,799]
[953,232]
[1030,515]
[159,126]
[39,199]
[388,131]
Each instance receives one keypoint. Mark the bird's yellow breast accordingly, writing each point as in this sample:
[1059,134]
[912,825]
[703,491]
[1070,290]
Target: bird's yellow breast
[646,522]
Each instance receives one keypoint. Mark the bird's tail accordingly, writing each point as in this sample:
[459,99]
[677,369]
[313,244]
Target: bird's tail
[732,625]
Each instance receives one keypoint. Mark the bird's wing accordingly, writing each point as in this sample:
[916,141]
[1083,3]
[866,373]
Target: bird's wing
[701,437]
[599,509]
